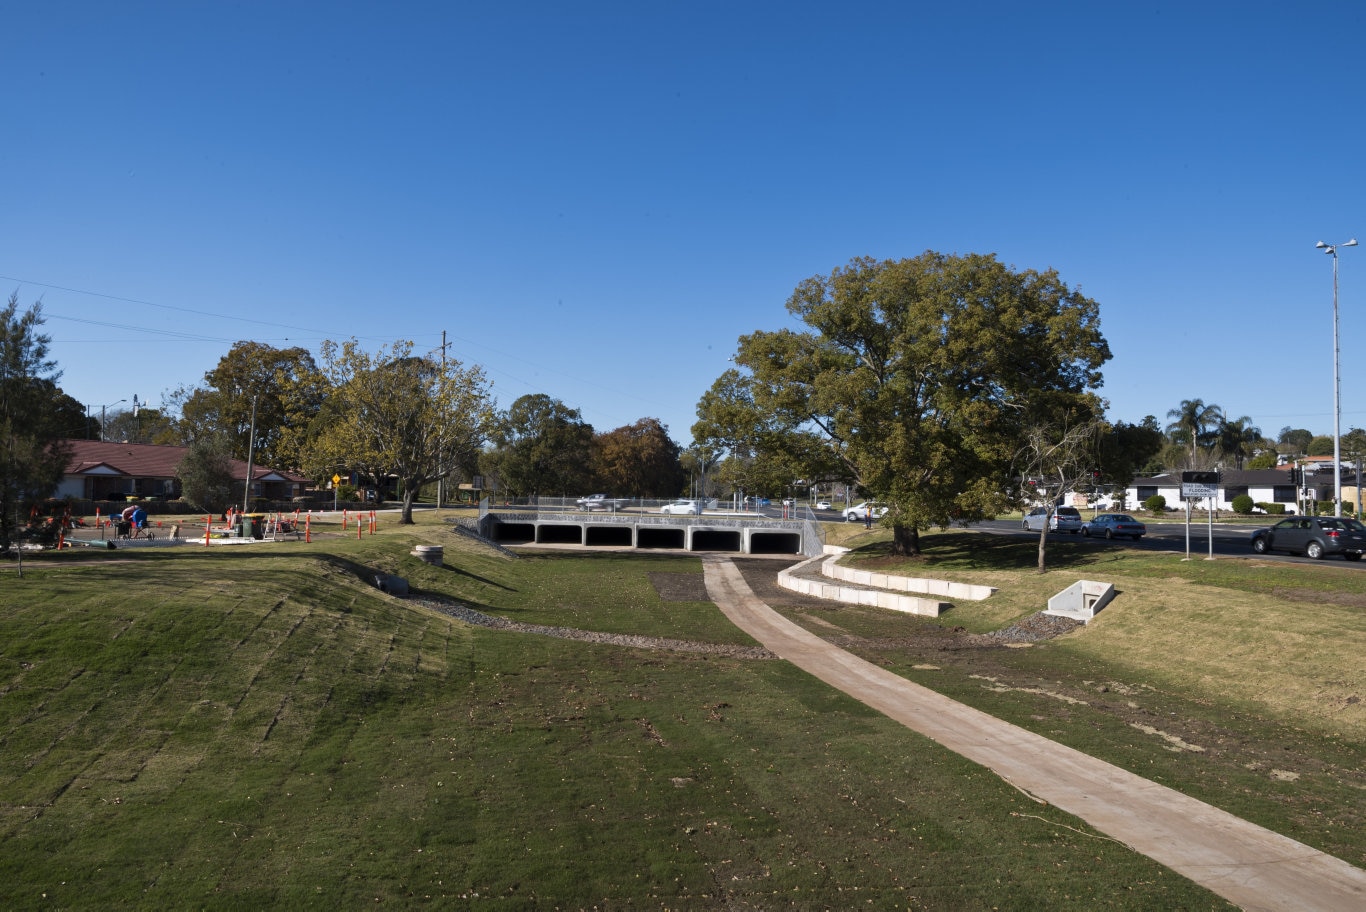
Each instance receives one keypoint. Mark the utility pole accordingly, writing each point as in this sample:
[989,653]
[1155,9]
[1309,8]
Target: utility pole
[441,482]
[251,446]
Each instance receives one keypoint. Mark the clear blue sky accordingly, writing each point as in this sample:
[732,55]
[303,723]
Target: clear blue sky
[596,200]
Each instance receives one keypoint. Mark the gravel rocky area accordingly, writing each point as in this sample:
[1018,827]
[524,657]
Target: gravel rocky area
[478,618]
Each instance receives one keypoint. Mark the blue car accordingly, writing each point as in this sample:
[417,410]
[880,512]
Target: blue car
[1114,525]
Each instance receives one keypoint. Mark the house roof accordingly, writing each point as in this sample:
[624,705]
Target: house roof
[145,460]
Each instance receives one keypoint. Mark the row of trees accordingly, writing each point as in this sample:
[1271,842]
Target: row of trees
[392,415]
[1204,436]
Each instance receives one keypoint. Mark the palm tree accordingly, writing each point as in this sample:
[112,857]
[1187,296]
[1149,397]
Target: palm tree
[1193,424]
[1237,437]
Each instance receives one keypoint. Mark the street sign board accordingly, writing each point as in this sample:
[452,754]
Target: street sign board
[1199,484]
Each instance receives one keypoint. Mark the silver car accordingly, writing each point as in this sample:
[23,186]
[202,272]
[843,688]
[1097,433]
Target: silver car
[1063,519]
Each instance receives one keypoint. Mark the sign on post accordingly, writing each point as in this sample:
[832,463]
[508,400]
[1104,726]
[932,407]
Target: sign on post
[1194,486]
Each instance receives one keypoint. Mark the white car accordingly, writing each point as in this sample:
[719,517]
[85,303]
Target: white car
[859,512]
[822,505]
[683,507]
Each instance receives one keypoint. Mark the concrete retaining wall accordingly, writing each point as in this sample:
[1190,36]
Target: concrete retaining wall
[791,579]
[944,588]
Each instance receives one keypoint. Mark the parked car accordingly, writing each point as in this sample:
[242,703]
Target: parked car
[859,512]
[822,505]
[1063,519]
[1114,525]
[1315,537]
[680,507]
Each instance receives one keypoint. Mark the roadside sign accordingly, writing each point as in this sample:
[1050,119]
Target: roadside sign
[336,479]
[1199,484]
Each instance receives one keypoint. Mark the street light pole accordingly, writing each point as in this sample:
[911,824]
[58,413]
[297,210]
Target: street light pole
[1332,250]
[102,411]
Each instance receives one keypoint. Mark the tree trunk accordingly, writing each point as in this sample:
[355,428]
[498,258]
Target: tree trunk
[405,518]
[905,541]
[1043,540]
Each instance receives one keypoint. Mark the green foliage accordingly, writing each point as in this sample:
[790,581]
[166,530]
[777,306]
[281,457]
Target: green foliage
[284,384]
[1272,509]
[1263,460]
[32,422]
[1155,504]
[1124,450]
[1242,504]
[1320,446]
[761,450]
[639,460]
[541,446]
[394,415]
[1297,437]
[922,376]
[206,475]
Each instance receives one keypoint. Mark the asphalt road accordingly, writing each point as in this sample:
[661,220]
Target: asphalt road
[1230,540]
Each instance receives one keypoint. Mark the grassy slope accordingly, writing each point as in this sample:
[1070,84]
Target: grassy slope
[243,727]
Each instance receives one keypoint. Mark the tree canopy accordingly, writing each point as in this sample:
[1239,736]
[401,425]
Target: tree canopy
[32,419]
[923,375]
[284,384]
[640,459]
[395,415]
[541,446]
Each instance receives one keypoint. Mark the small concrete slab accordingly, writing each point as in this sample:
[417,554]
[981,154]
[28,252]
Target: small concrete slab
[1082,600]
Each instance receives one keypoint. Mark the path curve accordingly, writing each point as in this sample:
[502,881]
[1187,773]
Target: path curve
[1244,863]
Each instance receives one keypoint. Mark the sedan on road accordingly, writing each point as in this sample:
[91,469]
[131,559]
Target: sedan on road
[859,512]
[822,505]
[681,507]
[1114,525]
[1315,537]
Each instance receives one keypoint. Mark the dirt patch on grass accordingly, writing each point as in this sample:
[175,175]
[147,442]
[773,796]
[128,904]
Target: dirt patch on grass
[680,587]
[1322,597]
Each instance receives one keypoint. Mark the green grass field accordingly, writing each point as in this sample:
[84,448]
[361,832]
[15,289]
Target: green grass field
[250,727]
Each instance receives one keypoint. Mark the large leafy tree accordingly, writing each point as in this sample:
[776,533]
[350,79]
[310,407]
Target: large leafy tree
[761,452]
[32,422]
[395,415]
[1124,450]
[282,386]
[640,460]
[923,376]
[541,446]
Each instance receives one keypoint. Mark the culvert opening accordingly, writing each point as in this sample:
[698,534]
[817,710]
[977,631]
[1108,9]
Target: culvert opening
[608,535]
[548,534]
[514,532]
[660,538]
[715,540]
[775,543]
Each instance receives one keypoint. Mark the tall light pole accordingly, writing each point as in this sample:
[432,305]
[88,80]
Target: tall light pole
[102,410]
[1332,250]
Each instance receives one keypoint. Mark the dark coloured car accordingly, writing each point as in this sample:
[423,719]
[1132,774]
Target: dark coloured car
[1114,525]
[1315,537]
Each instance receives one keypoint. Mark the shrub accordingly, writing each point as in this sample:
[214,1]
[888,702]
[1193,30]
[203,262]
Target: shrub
[1155,504]
[1242,504]
[1273,509]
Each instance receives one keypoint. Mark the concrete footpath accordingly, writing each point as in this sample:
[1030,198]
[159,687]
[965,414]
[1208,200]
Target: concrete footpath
[1244,863]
